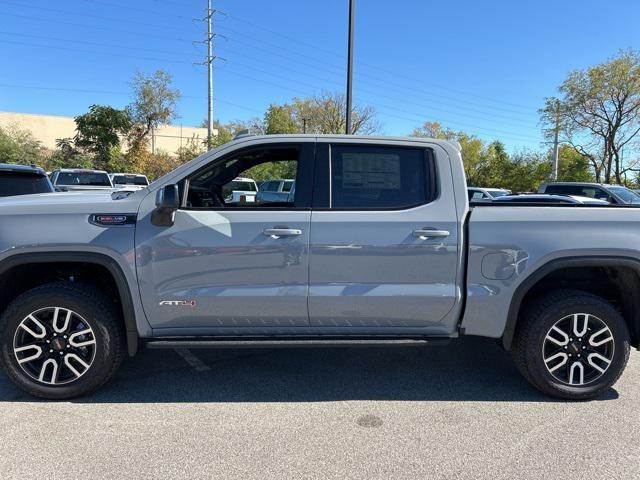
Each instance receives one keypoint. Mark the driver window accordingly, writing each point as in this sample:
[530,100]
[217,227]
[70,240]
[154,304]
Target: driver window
[234,182]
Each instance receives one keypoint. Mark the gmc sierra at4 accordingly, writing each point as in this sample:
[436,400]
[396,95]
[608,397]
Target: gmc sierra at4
[378,245]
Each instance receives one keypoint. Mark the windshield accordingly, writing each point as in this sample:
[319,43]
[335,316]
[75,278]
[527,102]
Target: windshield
[92,179]
[626,195]
[130,180]
[241,186]
[13,183]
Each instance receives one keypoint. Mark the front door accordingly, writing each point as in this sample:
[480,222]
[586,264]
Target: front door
[228,265]
[384,246]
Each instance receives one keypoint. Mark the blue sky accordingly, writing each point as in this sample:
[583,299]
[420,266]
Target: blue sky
[482,67]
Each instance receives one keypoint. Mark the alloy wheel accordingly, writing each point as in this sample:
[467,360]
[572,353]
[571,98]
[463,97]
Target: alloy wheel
[578,349]
[54,345]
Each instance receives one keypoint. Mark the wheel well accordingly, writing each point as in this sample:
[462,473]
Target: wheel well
[617,284]
[26,274]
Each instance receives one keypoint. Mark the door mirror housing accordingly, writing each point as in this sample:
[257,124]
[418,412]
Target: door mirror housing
[167,202]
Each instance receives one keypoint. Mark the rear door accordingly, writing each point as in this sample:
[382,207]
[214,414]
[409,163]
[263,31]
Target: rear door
[384,238]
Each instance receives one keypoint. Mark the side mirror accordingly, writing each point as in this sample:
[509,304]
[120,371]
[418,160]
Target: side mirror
[167,202]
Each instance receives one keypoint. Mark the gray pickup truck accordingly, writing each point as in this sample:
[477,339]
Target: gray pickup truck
[379,246]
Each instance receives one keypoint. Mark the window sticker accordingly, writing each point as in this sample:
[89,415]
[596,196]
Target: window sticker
[371,171]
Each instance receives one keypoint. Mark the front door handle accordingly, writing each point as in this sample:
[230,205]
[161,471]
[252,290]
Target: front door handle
[278,232]
[426,233]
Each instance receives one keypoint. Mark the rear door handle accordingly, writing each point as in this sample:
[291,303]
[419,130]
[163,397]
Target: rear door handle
[429,233]
[278,232]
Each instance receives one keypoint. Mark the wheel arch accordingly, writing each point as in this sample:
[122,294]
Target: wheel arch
[630,301]
[91,258]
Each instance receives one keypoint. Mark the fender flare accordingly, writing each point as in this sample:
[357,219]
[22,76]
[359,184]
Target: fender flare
[103,260]
[546,269]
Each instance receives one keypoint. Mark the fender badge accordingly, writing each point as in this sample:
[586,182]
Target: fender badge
[178,303]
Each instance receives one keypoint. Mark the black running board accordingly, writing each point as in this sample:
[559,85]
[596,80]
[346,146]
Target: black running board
[284,342]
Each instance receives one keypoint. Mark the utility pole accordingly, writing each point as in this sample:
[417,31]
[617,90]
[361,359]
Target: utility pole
[209,74]
[209,64]
[350,64]
[556,149]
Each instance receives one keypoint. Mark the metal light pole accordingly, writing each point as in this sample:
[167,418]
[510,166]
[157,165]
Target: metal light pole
[350,64]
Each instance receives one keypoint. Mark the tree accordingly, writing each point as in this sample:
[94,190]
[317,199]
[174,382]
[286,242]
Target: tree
[20,146]
[280,119]
[490,165]
[599,113]
[99,130]
[194,148]
[68,156]
[326,113]
[154,103]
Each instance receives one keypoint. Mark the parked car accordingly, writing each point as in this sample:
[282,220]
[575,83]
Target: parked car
[477,193]
[274,191]
[23,180]
[547,198]
[240,190]
[132,181]
[369,252]
[79,179]
[616,194]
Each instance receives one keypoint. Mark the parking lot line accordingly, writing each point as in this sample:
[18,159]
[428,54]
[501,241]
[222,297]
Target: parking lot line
[195,363]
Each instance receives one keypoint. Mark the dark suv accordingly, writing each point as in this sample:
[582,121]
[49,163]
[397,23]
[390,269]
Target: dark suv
[23,180]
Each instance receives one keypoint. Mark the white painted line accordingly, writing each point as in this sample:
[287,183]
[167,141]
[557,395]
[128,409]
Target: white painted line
[197,364]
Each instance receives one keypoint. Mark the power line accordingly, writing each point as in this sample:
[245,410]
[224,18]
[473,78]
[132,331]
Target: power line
[383,112]
[492,117]
[113,92]
[259,44]
[394,73]
[385,82]
[88,15]
[315,87]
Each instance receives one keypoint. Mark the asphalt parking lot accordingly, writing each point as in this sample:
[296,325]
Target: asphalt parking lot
[456,412]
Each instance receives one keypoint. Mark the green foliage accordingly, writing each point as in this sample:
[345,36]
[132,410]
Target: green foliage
[271,171]
[490,165]
[280,119]
[321,114]
[99,131]
[20,146]
[193,148]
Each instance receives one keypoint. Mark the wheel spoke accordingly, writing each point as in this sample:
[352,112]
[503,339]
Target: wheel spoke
[606,335]
[37,352]
[603,359]
[56,316]
[572,373]
[54,371]
[42,331]
[561,355]
[561,343]
[580,324]
[83,343]
[79,361]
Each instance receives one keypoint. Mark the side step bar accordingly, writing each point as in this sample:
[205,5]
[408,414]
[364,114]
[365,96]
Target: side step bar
[284,342]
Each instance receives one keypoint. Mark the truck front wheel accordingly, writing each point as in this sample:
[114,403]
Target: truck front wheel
[571,344]
[60,340]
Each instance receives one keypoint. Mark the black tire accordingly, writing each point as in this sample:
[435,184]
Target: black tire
[537,321]
[95,309]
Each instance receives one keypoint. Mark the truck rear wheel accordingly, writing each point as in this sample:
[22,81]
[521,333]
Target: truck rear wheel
[571,344]
[60,340]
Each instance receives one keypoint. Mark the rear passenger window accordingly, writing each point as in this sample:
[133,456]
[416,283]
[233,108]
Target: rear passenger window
[380,177]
